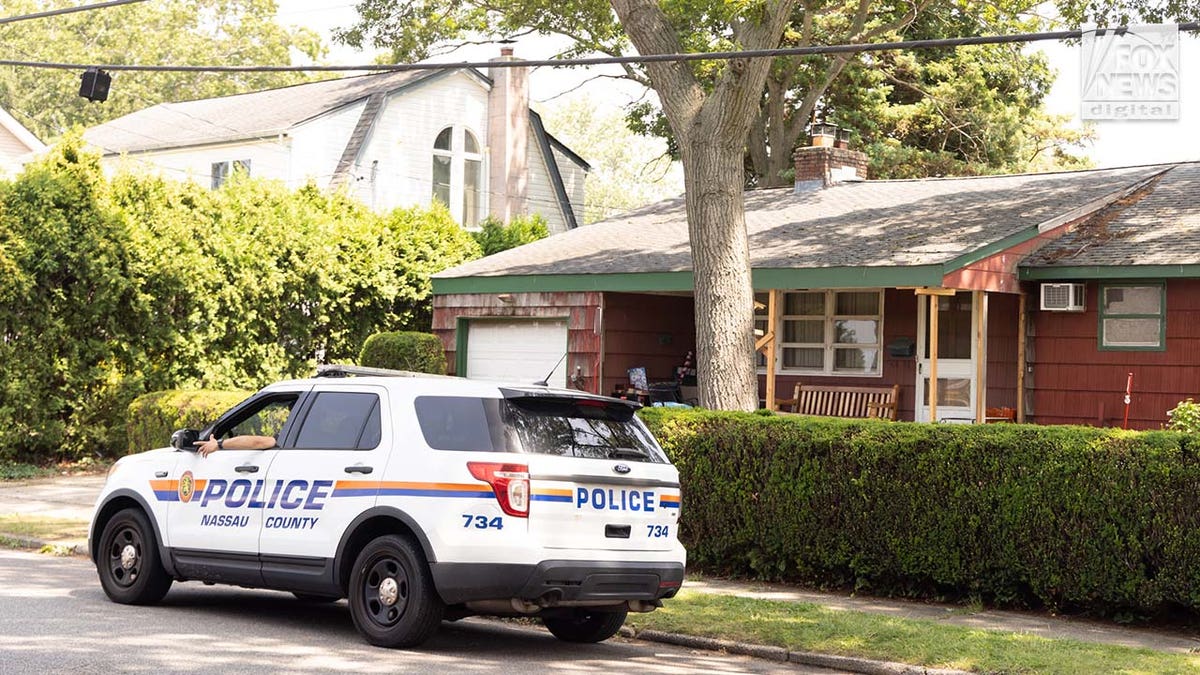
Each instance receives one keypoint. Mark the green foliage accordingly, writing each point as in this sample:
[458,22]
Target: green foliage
[153,417]
[1069,517]
[72,312]
[627,171]
[111,289]
[407,350]
[494,236]
[185,32]
[1185,417]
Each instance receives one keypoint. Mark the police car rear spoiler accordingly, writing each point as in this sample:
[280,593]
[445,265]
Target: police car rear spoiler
[567,394]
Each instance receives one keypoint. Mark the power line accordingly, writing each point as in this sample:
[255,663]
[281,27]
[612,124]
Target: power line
[1193,26]
[66,10]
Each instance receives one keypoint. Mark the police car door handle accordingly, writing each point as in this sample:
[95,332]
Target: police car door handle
[160,474]
[246,468]
[358,468]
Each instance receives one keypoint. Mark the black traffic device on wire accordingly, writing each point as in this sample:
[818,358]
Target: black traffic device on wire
[94,84]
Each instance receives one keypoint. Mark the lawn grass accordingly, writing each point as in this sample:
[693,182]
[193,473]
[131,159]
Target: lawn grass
[31,526]
[808,627]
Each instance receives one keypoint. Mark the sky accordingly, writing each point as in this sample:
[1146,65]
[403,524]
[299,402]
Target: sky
[1117,143]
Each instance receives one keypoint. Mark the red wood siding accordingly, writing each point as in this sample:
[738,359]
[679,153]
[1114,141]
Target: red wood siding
[1002,350]
[580,309]
[651,331]
[1074,382]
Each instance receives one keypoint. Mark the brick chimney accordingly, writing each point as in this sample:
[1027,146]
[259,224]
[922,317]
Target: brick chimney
[820,166]
[508,138]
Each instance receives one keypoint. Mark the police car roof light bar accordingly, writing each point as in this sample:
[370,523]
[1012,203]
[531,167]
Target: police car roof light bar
[343,370]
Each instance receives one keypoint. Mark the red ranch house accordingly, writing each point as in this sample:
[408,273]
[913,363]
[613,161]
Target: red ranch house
[1047,292]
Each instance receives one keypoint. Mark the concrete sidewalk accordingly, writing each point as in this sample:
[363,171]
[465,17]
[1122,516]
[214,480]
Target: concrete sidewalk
[73,497]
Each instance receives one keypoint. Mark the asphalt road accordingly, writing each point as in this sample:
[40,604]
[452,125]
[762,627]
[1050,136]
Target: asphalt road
[55,618]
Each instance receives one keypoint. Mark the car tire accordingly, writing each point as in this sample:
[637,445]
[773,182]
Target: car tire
[392,598]
[128,561]
[314,599]
[585,625]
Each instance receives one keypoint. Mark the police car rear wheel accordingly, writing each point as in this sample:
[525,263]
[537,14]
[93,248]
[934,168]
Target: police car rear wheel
[128,563]
[392,598]
[586,626]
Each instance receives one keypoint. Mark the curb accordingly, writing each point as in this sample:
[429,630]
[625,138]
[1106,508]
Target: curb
[845,663]
[73,547]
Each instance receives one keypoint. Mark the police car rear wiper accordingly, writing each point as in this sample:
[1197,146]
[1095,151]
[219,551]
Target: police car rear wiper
[614,453]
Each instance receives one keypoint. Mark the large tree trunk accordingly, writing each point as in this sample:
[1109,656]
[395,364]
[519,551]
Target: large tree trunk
[711,129]
[724,296]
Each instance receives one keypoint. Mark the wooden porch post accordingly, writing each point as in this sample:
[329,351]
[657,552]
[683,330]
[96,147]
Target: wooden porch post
[768,341]
[979,300]
[933,357]
[1021,366]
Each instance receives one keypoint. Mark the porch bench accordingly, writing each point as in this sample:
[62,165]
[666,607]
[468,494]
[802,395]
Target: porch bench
[836,401]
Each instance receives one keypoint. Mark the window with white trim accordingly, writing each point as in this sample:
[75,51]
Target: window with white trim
[828,332]
[221,171]
[1132,316]
[458,175]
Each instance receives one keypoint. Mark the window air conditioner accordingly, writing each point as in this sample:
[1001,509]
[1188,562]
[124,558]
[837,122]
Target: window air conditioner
[1062,297]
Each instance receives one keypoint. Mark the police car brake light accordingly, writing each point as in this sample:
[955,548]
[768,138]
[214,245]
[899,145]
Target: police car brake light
[510,484]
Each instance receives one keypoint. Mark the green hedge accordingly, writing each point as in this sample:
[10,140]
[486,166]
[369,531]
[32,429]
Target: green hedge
[404,350]
[155,416]
[1068,517]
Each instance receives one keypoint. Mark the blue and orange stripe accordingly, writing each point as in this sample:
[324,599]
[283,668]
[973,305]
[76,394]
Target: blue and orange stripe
[553,495]
[366,488]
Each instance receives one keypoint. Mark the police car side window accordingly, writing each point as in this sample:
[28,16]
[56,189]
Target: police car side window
[265,420]
[460,423]
[341,421]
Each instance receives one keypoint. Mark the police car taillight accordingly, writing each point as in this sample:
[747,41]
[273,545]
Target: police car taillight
[510,483]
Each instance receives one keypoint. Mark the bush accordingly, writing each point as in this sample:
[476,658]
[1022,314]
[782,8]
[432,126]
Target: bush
[153,417]
[110,289]
[1067,517]
[1185,417]
[407,350]
[494,236]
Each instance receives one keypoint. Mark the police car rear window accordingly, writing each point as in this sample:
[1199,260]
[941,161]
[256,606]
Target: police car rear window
[545,425]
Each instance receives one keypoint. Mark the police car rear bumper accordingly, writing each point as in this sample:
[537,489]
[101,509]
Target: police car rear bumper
[554,581]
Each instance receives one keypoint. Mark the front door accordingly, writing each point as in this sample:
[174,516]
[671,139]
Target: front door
[956,390]
[213,529]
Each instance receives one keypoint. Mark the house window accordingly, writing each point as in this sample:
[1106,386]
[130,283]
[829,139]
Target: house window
[458,175]
[829,332]
[1133,317]
[222,170]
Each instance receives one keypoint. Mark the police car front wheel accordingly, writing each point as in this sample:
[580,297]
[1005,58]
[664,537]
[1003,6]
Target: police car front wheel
[392,598]
[128,560]
[584,625]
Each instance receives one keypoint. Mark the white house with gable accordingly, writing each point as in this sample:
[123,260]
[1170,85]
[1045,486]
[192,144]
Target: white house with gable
[408,138]
[17,145]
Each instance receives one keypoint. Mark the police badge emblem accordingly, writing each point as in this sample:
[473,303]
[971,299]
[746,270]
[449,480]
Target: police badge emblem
[187,487]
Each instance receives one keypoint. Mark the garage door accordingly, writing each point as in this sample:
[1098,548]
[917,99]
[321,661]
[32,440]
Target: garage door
[517,351]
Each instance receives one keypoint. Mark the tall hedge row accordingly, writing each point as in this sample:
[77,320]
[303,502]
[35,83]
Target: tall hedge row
[111,288]
[1068,517]
[155,416]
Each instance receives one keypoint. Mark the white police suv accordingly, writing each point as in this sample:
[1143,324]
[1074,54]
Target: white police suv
[418,498]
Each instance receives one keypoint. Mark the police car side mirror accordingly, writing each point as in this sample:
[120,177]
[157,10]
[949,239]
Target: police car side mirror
[185,439]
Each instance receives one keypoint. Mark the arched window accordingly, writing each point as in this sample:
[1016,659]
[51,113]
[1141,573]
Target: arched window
[458,174]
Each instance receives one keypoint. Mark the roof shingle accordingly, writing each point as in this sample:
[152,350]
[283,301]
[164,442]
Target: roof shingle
[869,224]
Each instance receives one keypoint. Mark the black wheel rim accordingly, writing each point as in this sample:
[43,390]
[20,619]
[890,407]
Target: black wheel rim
[125,556]
[385,590]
